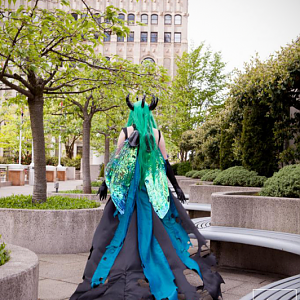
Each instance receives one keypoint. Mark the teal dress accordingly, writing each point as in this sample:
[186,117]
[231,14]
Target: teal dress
[140,248]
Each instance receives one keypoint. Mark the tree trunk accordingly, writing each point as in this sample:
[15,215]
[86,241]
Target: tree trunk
[86,172]
[36,106]
[106,153]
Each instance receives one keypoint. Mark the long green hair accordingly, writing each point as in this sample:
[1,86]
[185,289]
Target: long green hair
[148,154]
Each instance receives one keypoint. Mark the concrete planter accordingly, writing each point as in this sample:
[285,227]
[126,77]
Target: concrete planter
[202,193]
[70,173]
[19,276]
[236,209]
[245,210]
[50,231]
[185,184]
[50,173]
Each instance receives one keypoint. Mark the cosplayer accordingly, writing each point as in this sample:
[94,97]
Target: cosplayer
[140,247]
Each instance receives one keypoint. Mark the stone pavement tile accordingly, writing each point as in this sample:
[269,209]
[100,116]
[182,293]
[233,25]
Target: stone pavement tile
[55,290]
[74,278]
[230,284]
[84,254]
[61,259]
[247,276]
[228,296]
[55,271]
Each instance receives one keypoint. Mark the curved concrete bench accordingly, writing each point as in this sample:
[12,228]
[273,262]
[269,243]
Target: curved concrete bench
[285,289]
[50,231]
[197,210]
[19,276]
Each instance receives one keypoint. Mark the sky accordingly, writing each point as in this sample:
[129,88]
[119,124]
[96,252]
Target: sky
[242,28]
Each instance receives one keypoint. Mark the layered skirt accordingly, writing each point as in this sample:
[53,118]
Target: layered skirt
[138,256]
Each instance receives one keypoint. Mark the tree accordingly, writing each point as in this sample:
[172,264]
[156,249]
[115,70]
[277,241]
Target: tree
[198,85]
[43,53]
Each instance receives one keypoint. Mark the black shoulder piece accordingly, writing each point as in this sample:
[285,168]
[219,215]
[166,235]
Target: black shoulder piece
[134,139]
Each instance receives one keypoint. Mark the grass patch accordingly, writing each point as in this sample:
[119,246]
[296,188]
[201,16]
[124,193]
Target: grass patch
[96,183]
[4,254]
[75,192]
[53,202]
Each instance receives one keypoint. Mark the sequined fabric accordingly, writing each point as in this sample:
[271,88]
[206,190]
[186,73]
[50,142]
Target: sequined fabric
[119,173]
[157,189]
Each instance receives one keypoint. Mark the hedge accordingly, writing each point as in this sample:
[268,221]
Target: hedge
[211,175]
[190,173]
[53,202]
[239,176]
[200,173]
[284,183]
[183,168]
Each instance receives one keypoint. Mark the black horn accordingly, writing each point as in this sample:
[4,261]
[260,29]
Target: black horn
[130,105]
[154,102]
[143,101]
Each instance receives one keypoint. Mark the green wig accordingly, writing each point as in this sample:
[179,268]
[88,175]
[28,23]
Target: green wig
[148,154]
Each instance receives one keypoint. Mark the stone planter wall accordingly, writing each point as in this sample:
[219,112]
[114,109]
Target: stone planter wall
[50,231]
[185,184]
[234,209]
[19,276]
[202,193]
[240,209]
[70,173]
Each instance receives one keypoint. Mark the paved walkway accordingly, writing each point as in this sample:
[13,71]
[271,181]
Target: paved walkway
[60,275]
[27,189]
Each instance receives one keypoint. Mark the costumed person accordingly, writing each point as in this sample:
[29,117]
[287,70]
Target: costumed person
[140,247]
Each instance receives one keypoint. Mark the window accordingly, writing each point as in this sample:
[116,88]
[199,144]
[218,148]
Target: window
[96,35]
[144,19]
[167,38]
[168,19]
[154,19]
[120,38]
[107,36]
[177,37]
[148,59]
[97,17]
[178,20]
[131,19]
[121,17]
[83,16]
[153,38]
[130,37]
[107,58]
[144,37]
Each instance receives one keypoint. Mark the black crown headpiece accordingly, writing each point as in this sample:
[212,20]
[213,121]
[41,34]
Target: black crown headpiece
[152,105]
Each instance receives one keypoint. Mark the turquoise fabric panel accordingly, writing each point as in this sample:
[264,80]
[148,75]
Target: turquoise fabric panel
[154,262]
[113,249]
[179,237]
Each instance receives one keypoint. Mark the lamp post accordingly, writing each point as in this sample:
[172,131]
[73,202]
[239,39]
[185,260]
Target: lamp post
[20,142]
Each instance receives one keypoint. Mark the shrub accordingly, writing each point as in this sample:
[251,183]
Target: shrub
[211,175]
[200,173]
[65,161]
[175,168]
[96,183]
[4,254]
[183,168]
[190,173]
[284,183]
[53,202]
[239,176]
[76,192]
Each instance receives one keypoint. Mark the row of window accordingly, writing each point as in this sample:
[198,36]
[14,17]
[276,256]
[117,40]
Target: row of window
[144,37]
[154,19]
[144,18]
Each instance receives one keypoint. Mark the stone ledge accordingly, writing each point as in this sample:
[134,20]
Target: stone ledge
[203,193]
[245,210]
[50,231]
[19,276]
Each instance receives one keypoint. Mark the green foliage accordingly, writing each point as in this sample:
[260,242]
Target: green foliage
[175,168]
[284,183]
[96,183]
[53,202]
[75,192]
[183,168]
[101,175]
[257,141]
[239,176]
[65,161]
[4,254]
[211,175]
[200,174]
[190,173]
